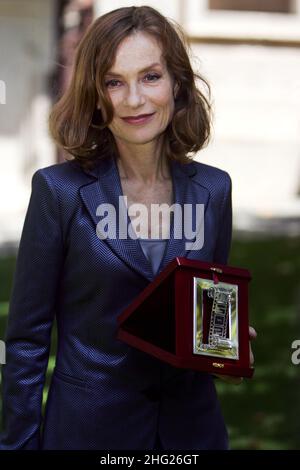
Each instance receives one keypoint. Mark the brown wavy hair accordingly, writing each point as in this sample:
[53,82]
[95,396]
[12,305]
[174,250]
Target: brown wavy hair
[80,128]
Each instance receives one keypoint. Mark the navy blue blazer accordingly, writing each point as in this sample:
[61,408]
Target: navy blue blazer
[104,394]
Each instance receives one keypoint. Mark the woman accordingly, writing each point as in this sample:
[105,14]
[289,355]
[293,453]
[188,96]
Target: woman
[130,116]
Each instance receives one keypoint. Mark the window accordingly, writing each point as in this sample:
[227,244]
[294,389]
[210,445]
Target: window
[272,6]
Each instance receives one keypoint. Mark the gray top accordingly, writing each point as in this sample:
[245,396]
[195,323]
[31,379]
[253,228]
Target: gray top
[153,250]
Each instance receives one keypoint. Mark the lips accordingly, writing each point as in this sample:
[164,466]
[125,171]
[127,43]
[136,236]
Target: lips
[141,118]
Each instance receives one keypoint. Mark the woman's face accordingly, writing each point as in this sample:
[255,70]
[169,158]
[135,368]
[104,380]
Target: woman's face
[139,83]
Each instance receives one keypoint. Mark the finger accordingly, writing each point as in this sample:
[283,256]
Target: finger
[252,332]
[230,379]
[251,355]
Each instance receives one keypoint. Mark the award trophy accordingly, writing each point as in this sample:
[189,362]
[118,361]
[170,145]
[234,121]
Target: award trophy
[194,315]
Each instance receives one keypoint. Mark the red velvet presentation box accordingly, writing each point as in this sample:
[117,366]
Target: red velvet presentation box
[194,315]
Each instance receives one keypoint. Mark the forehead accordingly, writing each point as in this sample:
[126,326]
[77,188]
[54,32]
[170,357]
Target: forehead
[135,53]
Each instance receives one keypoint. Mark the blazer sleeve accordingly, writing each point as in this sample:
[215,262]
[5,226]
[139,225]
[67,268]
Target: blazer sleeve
[223,244]
[30,317]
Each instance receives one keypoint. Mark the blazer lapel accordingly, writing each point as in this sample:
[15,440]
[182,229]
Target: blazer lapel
[106,189]
[186,191]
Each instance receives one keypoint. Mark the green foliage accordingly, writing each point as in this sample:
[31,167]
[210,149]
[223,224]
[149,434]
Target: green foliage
[262,412]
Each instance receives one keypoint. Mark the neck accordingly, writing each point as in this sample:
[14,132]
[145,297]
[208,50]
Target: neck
[142,163]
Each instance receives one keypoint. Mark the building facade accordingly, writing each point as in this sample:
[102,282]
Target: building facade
[250,55]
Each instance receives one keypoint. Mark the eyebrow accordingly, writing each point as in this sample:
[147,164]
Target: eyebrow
[143,70]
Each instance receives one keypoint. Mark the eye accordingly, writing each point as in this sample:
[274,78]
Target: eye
[111,83]
[153,77]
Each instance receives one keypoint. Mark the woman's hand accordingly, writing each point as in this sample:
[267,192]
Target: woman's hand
[238,380]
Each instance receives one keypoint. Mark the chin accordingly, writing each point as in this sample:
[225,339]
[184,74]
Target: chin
[145,139]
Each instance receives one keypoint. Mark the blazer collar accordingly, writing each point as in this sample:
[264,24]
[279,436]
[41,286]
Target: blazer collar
[106,188]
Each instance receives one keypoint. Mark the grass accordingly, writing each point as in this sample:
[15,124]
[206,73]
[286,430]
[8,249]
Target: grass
[261,413]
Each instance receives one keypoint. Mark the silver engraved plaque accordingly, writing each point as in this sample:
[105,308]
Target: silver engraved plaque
[215,327]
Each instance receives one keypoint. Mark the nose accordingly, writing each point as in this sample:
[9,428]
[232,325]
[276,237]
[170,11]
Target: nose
[134,96]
